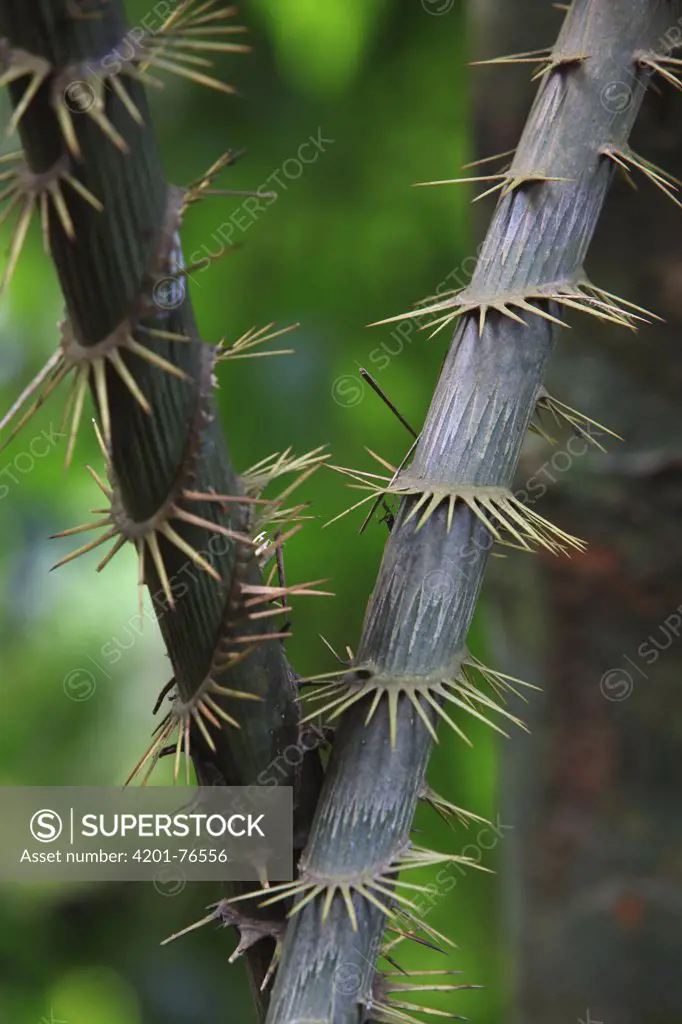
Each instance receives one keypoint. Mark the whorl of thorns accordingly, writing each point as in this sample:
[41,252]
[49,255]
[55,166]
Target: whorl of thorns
[144,536]
[265,517]
[580,295]
[387,1005]
[85,89]
[87,365]
[194,28]
[382,887]
[564,415]
[508,520]
[250,929]
[627,161]
[204,710]
[449,812]
[505,182]
[25,191]
[457,685]
[247,605]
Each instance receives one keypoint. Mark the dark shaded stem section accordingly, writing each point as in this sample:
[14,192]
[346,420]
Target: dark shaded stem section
[105,276]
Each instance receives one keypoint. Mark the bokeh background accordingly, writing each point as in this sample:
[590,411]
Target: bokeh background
[581,919]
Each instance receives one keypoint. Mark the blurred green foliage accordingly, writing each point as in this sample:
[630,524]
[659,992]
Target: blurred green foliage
[347,242]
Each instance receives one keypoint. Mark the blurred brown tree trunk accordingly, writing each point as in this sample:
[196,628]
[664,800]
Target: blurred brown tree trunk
[593,872]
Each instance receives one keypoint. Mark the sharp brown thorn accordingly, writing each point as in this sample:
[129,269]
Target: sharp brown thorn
[114,550]
[80,392]
[156,360]
[126,376]
[188,550]
[97,524]
[86,547]
[153,544]
[55,363]
[189,517]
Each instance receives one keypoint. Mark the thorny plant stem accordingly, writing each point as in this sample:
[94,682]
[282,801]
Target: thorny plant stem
[414,632]
[108,272]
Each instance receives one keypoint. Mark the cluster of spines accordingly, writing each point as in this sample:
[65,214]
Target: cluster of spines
[87,365]
[388,988]
[384,888]
[179,46]
[204,709]
[249,929]
[505,516]
[505,181]
[144,536]
[663,64]
[565,415]
[457,685]
[579,294]
[194,28]
[25,191]
[387,1004]
[245,603]
[626,160]
[508,520]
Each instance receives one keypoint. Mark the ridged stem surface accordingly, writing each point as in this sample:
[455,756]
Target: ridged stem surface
[430,577]
[107,273]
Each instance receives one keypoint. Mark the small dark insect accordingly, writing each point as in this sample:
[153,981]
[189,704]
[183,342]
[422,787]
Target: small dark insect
[388,516]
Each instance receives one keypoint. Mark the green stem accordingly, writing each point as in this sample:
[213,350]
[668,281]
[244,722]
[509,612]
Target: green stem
[107,274]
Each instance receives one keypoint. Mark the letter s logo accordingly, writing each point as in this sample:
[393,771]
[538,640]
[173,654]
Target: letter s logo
[46,826]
